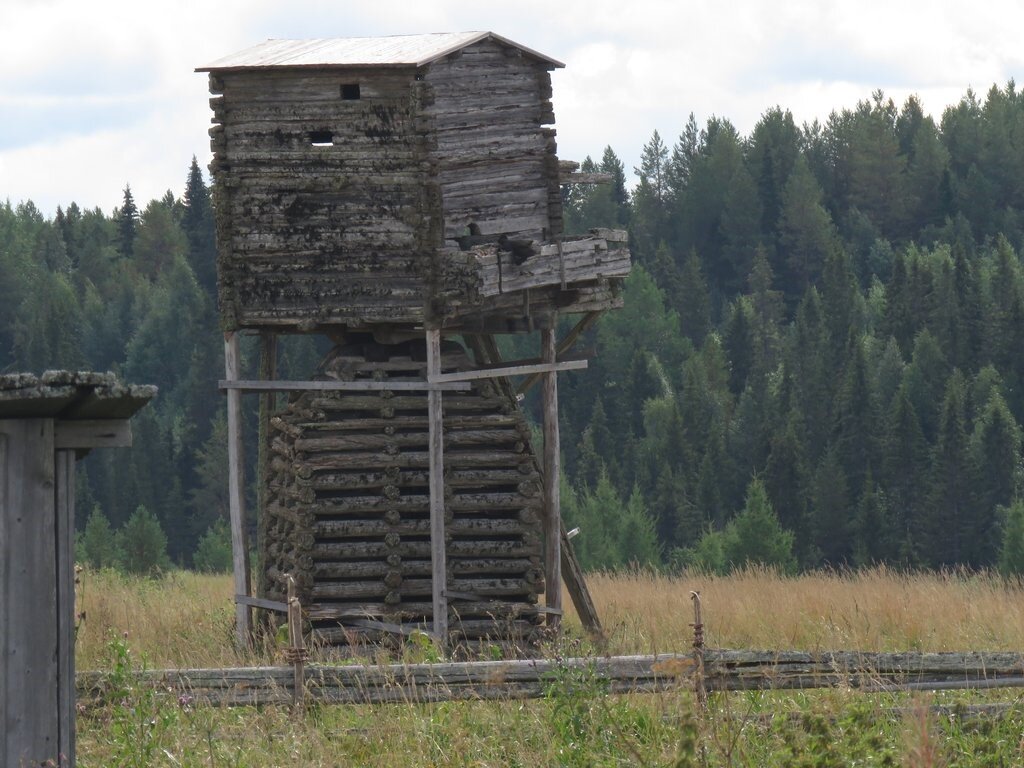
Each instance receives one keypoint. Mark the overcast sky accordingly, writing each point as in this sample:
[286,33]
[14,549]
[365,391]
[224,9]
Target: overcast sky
[97,94]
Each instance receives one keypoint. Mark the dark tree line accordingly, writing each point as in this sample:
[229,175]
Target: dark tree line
[834,311]
[820,354]
[133,292]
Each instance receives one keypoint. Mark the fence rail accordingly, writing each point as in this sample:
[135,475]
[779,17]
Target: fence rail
[723,670]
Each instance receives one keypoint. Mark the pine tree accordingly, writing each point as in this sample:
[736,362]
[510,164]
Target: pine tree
[949,536]
[651,198]
[127,217]
[774,149]
[785,479]
[740,346]
[807,235]
[755,535]
[693,305]
[855,427]
[97,546]
[144,544]
[766,312]
[832,511]
[996,445]
[1011,552]
[906,467]
[198,225]
[876,541]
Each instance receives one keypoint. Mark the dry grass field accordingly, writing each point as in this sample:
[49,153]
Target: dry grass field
[184,620]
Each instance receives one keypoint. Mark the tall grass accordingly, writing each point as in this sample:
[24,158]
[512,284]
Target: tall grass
[876,609]
[185,620]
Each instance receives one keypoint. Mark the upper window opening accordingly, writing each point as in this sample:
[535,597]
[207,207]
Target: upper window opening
[321,138]
[350,91]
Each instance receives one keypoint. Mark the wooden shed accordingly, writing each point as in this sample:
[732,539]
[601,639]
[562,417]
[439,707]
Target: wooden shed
[45,424]
[402,195]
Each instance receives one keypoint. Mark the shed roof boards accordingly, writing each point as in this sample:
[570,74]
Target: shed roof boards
[393,51]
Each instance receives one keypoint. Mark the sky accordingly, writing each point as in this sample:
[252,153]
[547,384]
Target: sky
[96,95]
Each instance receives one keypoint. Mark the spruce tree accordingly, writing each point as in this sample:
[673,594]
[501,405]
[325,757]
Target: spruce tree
[755,535]
[996,444]
[950,535]
[143,544]
[127,223]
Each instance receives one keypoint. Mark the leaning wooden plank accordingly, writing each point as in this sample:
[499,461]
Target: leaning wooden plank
[505,371]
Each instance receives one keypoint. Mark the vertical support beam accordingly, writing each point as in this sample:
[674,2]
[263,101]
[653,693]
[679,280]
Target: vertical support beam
[439,566]
[65,509]
[268,372]
[29,703]
[296,649]
[552,473]
[236,491]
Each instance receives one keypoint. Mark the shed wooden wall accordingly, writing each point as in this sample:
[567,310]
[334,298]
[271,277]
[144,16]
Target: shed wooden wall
[30,716]
[328,234]
[497,163]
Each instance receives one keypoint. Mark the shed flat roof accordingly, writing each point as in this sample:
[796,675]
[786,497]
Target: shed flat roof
[70,396]
[393,51]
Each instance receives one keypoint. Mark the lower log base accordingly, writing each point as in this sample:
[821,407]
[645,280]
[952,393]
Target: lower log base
[348,512]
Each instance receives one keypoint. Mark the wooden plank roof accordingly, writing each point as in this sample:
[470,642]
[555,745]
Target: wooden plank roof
[70,395]
[340,52]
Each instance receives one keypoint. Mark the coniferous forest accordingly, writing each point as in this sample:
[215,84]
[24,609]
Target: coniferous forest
[820,361]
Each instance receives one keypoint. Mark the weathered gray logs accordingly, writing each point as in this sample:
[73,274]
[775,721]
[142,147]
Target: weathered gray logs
[348,494]
[510,679]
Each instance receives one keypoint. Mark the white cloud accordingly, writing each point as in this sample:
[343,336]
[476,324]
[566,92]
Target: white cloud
[104,92]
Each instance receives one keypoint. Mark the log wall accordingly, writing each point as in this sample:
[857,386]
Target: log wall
[324,205]
[349,505]
[496,159]
[335,211]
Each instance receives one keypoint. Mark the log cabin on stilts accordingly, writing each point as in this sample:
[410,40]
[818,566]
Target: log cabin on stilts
[402,197]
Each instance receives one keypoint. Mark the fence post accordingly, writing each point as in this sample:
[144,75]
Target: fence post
[296,653]
[700,692]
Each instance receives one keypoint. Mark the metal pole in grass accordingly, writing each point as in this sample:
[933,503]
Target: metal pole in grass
[296,653]
[698,653]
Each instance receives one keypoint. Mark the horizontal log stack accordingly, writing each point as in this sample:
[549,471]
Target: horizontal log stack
[725,670]
[349,507]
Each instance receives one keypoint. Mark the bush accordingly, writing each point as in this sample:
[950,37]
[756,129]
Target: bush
[144,544]
[97,546]
[213,555]
[754,536]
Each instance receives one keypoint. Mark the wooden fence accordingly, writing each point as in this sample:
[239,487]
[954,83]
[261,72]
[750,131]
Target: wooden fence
[723,670]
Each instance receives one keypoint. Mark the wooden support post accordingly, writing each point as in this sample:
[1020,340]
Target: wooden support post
[66,613]
[296,648]
[552,472]
[439,567]
[31,732]
[700,692]
[236,492]
[576,586]
[268,372]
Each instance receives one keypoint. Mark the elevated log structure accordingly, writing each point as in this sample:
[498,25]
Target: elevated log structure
[395,194]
